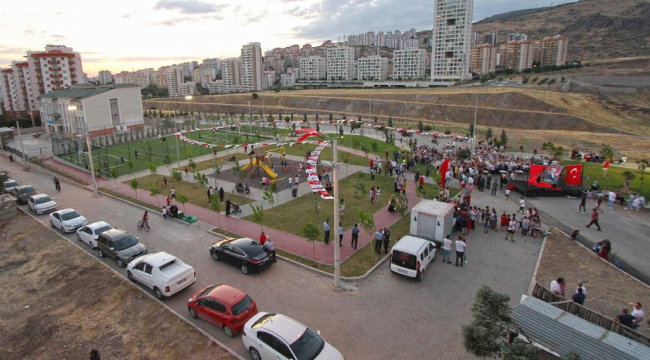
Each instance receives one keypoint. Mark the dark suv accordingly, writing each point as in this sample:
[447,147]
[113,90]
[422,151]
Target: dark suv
[22,193]
[120,245]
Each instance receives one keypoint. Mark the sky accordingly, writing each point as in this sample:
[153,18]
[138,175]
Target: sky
[126,35]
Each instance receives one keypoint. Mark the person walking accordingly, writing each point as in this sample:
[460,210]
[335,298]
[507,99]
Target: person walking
[342,208]
[611,199]
[221,194]
[379,237]
[460,250]
[583,202]
[594,219]
[522,205]
[446,250]
[164,212]
[263,238]
[525,225]
[386,240]
[173,193]
[512,227]
[269,246]
[355,236]
[57,184]
[579,297]
[326,229]
[290,183]
[494,188]
[340,234]
[228,207]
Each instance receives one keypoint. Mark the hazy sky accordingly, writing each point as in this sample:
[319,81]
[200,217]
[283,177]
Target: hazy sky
[123,35]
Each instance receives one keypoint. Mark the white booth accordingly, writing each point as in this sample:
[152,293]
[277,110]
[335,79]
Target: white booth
[432,220]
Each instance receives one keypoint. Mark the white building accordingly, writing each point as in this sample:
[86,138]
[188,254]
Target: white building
[219,87]
[90,109]
[251,67]
[313,68]
[269,79]
[188,88]
[289,78]
[340,63]
[231,72]
[214,64]
[409,64]
[174,78]
[451,41]
[105,77]
[372,67]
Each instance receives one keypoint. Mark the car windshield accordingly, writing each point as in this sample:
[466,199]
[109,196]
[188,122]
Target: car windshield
[255,251]
[308,346]
[125,242]
[241,306]
[206,291]
[26,190]
[43,200]
[102,229]
[70,215]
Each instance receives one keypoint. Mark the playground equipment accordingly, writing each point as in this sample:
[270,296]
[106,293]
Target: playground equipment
[258,160]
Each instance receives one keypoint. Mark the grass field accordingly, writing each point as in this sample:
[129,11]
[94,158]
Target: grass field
[614,179]
[291,216]
[196,193]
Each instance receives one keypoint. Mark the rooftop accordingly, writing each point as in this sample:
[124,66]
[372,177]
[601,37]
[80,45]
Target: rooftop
[82,91]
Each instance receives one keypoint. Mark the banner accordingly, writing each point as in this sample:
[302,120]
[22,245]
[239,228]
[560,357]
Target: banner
[552,174]
[535,171]
[443,172]
[574,175]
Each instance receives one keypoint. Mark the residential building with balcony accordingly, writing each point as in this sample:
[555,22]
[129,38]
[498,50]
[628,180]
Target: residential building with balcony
[372,67]
[551,50]
[409,64]
[231,72]
[516,55]
[483,59]
[451,41]
[313,68]
[251,67]
[340,63]
[174,78]
[105,77]
[54,69]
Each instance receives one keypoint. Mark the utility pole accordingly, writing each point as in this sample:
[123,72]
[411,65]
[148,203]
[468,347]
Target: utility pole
[31,114]
[178,156]
[250,119]
[335,184]
[22,148]
[474,127]
[92,166]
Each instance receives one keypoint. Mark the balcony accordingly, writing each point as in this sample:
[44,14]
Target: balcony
[57,62]
[73,75]
[55,69]
[72,69]
[60,82]
[71,62]
[56,76]
[74,81]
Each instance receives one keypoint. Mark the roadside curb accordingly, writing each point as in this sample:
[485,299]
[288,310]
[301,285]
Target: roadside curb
[151,296]
[319,272]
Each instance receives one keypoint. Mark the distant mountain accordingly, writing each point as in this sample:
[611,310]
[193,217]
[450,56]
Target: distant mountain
[597,29]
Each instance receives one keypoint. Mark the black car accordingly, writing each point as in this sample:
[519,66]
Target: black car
[246,253]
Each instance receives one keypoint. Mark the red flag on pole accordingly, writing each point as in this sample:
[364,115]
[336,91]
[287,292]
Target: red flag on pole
[573,175]
[443,172]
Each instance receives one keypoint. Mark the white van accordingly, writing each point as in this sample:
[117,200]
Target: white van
[411,256]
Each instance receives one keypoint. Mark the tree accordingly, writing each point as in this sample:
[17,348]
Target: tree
[188,152]
[182,199]
[311,232]
[134,186]
[488,134]
[255,96]
[114,174]
[607,152]
[258,214]
[471,130]
[154,190]
[421,126]
[215,205]
[364,148]
[130,165]
[200,178]
[548,146]
[374,146]
[317,126]
[356,143]
[177,176]
[153,168]
[520,350]
[192,165]
[390,121]
[504,137]
[572,356]
[642,165]
[360,188]
[487,334]
[217,171]
[558,152]
[267,196]
[367,221]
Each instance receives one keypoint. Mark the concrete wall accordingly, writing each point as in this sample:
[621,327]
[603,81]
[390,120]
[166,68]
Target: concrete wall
[622,81]
[98,112]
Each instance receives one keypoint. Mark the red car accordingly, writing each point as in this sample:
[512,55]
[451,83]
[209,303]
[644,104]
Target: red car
[223,306]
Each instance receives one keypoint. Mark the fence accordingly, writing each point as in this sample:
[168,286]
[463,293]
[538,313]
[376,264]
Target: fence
[587,314]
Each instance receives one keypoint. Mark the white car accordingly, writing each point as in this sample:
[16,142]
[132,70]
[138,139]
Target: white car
[41,204]
[164,273]
[9,185]
[274,336]
[67,220]
[90,232]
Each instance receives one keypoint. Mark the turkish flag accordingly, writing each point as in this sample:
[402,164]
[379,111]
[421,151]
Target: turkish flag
[443,172]
[573,175]
[535,170]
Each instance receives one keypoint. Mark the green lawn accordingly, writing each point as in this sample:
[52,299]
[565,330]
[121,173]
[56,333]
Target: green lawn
[196,194]
[615,179]
[326,154]
[207,164]
[291,216]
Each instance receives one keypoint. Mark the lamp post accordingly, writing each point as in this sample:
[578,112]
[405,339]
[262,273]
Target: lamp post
[250,119]
[22,148]
[474,127]
[90,160]
[335,184]
[189,97]
[31,114]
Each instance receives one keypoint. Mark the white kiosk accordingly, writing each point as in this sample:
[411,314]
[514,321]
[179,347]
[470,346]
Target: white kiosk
[432,220]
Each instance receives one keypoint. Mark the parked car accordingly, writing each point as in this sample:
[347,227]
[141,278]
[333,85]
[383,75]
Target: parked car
[41,204]
[224,306]
[90,232]
[22,193]
[245,253]
[275,336]
[165,274]
[520,83]
[67,220]
[9,185]
[119,245]
[4,176]
[411,255]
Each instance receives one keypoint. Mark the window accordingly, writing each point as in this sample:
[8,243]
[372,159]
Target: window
[140,266]
[426,251]
[217,306]
[148,269]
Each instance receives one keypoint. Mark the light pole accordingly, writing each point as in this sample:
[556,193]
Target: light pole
[189,97]
[31,114]
[250,119]
[335,184]
[178,156]
[90,160]
[22,148]
[474,127]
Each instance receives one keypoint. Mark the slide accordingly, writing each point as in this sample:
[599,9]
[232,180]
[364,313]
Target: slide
[269,171]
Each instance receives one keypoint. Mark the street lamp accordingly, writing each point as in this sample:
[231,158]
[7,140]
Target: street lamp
[32,116]
[250,119]
[90,160]
[189,97]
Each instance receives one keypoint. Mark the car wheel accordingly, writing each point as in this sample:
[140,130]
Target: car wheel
[78,237]
[228,331]
[193,313]
[244,268]
[100,253]
[120,262]
[158,294]
[419,276]
[255,355]
[51,224]
[130,276]
[215,256]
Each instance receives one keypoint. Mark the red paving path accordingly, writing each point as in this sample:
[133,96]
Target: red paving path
[285,241]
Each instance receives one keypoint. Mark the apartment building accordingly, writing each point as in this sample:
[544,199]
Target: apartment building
[105,77]
[483,59]
[290,77]
[204,76]
[90,109]
[372,67]
[251,67]
[16,88]
[269,79]
[490,38]
[174,78]
[340,63]
[409,64]
[551,50]
[516,37]
[517,55]
[451,41]
[231,72]
[214,64]
[188,88]
[313,68]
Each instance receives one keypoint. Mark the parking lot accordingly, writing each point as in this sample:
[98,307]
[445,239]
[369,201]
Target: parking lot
[386,316]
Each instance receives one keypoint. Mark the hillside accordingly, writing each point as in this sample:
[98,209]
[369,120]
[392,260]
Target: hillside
[597,29]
